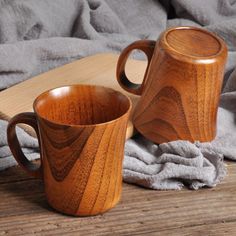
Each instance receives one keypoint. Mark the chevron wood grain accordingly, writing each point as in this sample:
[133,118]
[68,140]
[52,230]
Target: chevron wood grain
[181,87]
[82,146]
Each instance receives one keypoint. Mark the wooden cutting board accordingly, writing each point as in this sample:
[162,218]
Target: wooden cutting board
[99,69]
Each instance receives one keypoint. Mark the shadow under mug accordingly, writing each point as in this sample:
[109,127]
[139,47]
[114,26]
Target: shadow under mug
[81,131]
[181,86]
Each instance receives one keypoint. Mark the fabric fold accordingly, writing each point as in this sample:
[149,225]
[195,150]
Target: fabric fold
[173,165]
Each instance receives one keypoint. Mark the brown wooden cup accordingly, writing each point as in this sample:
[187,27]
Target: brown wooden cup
[181,87]
[81,131]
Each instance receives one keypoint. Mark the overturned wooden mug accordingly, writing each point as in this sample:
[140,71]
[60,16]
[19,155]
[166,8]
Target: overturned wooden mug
[81,131]
[181,86]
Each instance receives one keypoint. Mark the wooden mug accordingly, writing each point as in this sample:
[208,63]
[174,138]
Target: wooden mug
[181,86]
[81,131]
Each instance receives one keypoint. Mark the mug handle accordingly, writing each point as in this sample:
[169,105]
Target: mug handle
[28,118]
[147,46]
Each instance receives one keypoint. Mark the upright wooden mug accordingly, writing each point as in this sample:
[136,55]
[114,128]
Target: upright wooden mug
[181,87]
[81,131]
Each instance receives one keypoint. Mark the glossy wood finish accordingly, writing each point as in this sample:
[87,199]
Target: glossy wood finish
[147,46]
[30,119]
[180,92]
[82,134]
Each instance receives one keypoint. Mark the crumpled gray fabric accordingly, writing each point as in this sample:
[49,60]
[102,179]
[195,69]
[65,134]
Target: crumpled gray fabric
[171,165]
[36,36]
[177,164]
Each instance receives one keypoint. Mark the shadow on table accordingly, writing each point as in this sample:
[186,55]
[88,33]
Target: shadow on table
[23,192]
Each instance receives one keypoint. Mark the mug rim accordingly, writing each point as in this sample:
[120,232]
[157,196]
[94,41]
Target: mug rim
[81,125]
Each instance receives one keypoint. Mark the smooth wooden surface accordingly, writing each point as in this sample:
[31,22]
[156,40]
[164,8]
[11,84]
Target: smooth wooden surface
[194,42]
[99,69]
[212,212]
[147,46]
[181,88]
[82,131]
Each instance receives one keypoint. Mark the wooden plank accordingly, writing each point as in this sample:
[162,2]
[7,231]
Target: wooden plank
[24,211]
[217,229]
[99,69]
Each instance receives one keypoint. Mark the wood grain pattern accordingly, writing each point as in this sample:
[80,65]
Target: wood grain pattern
[24,210]
[82,134]
[180,92]
[96,70]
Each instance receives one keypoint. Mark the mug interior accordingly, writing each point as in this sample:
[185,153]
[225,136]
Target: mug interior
[81,105]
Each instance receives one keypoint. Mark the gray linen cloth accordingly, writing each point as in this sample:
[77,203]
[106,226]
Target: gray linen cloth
[36,36]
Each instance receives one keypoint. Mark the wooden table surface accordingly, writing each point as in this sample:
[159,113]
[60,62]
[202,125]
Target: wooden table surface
[99,69]
[24,210]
